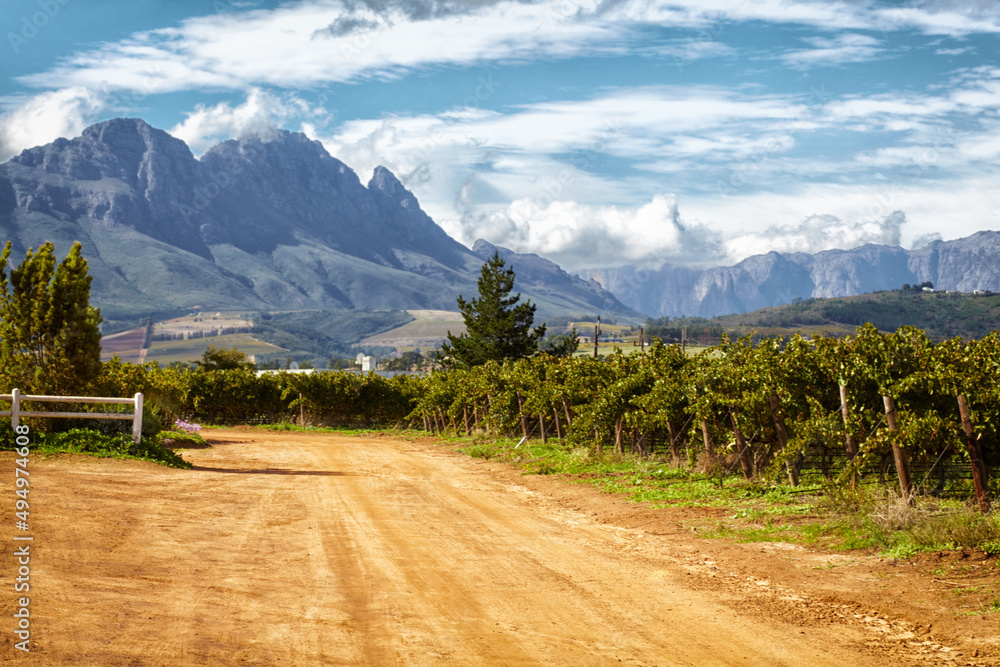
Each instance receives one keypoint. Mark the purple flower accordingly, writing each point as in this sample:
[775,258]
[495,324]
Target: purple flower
[186,426]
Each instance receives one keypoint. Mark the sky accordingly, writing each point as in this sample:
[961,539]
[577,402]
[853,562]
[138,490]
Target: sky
[596,133]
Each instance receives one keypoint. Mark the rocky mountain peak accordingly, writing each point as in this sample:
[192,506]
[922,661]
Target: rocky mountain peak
[265,221]
[385,182]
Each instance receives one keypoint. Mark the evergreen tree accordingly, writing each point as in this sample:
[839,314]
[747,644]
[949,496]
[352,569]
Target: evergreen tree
[51,340]
[497,326]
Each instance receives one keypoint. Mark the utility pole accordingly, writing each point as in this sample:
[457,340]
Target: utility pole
[597,332]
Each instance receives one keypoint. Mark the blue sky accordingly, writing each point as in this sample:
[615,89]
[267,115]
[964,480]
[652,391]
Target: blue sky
[596,133]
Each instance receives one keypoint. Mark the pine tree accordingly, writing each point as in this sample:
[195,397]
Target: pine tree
[51,340]
[497,326]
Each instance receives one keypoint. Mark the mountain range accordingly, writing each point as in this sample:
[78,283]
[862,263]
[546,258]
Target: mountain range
[270,223]
[774,279]
[275,223]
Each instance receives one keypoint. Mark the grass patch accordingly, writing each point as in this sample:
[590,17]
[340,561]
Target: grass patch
[640,479]
[880,519]
[95,443]
[872,520]
[182,440]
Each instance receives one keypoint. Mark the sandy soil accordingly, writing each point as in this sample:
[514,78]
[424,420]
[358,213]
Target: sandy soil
[327,550]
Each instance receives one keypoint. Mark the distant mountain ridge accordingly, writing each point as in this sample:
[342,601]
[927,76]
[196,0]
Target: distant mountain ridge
[273,223]
[774,279]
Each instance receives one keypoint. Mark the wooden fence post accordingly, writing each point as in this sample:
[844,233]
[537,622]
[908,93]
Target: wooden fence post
[673,435]
[741,445]
[520,411]
[15,409]
[707,437]
[899,455]
[137,420]
[980,475]
[782,433]
[845,413]
[559,428]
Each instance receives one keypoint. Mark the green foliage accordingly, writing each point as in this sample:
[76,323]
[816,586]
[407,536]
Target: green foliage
[406,361]
[223,360]
[561,344]
[50,333]
[95,443]
[727,406]
[497,326]
[940,315]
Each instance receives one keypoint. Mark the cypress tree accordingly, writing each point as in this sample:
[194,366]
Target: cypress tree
[51,340]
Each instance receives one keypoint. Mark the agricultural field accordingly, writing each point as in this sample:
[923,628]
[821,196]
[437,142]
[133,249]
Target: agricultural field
[205,323]
[127,345]
[190,350]
[427,330]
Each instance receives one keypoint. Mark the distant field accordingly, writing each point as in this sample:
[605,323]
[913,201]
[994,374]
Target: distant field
[426,331]
[207,322]
[587,328]
[604,349]
[127,345]
[432,326]
[192,349]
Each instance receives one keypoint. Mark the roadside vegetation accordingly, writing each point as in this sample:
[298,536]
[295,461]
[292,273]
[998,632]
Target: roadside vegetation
[872,518]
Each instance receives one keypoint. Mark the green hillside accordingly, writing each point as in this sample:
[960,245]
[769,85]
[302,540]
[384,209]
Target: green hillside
[940,314]
[324,334]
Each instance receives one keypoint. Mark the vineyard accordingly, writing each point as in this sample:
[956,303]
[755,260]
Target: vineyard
[874,407]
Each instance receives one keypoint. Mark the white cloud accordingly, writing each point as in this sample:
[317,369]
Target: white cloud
[554,151]
[953,207]
[577,236]
[292,46]
[46,117]
[260,114]
[954,52]
[846,48]
[817,233]
[312,43]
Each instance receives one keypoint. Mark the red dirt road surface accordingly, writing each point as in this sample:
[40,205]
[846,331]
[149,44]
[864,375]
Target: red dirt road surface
[308,549]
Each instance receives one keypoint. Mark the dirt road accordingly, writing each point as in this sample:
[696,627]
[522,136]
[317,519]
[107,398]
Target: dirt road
[297,549]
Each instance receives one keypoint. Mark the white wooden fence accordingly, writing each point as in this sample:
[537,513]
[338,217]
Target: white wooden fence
[16,398]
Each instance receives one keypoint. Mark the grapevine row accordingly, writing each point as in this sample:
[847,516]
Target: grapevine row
[871,403]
